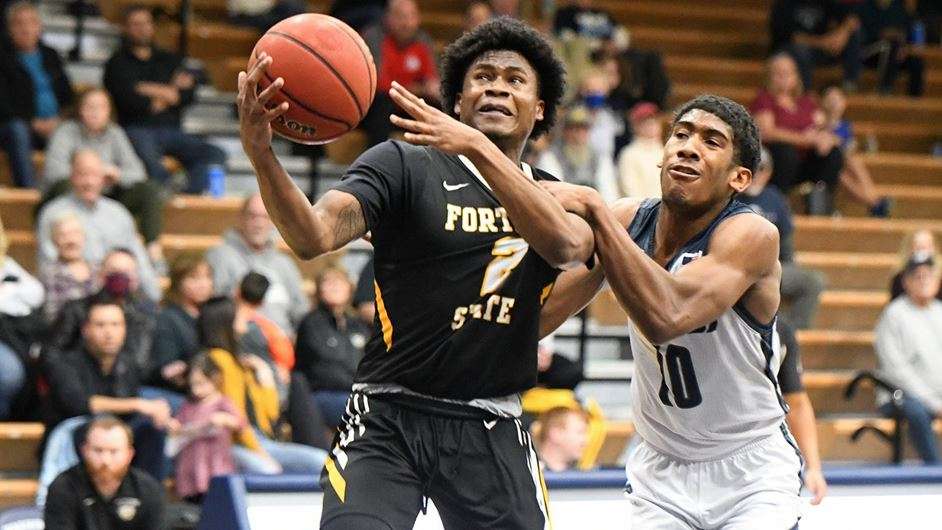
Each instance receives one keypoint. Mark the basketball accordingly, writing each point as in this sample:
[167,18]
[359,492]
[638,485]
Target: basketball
[329,75]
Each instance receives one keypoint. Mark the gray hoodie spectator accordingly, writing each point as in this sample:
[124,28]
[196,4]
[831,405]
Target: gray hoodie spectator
[250,246]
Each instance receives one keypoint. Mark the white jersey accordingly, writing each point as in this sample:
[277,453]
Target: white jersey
[712,391]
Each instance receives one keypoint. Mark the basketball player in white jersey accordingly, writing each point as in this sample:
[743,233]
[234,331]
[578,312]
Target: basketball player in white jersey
[698,274]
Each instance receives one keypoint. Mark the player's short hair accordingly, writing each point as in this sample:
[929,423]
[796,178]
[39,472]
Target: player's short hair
[106,422]
[746,142]
[253,287]
[505,33]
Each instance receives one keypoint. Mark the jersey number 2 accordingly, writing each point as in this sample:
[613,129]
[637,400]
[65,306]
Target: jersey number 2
[684,384]
[508,252]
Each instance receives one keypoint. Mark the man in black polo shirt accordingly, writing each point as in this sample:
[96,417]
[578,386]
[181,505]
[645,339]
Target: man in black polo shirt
[97,380]
[104,492]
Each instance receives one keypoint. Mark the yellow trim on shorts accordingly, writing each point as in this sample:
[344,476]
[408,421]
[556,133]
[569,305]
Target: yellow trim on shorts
[336,479]
[383,317]
[545,497]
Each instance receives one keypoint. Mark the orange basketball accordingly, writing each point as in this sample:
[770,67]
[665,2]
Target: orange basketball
[329,74]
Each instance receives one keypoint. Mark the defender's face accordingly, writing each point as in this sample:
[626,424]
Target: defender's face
[698,169]
[500,96]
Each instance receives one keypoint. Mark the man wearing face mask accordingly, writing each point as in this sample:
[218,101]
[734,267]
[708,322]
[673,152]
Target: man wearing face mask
[119,279]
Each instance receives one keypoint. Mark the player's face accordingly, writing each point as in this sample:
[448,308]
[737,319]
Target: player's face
[107,453]
[500,96]
[699,169]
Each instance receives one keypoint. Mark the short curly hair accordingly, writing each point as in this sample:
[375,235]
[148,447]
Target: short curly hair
[504,33]
[747,146]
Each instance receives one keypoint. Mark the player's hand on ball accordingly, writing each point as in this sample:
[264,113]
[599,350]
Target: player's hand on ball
[255,116]
[814,481]
[574,199]
[431,126]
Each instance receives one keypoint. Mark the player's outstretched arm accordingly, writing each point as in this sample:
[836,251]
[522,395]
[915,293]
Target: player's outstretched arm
[743,251]
[563,240]
[801,423]
[335,220]
[576,288]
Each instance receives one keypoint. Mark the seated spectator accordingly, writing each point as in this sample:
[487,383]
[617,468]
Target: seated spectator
[261,337]
[580,18]
[801,287]
[20,296]
[34,91]
[251,246]
[555,370]
[125,179]
[249,382]
[103,489]
[574,158]
[95,379]
[176,339]
[855,178]
[403,53]
[800,417]
[818,32]
[203,431]
[477,13]
[919,242]
[107,223]
[641,77]
[330,344]
[887,44]
[562,438]
[791,127]
[607,124]
[119,279]
[909,353]
[263,14]
[151,88]
[70,276]
[639,172]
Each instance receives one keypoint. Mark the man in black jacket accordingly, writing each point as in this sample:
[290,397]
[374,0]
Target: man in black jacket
[34,91]
[150,88]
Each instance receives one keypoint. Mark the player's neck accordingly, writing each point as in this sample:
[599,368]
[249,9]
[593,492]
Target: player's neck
[675,227]
[511,147]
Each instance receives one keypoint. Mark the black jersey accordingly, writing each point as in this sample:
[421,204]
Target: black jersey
[458,291]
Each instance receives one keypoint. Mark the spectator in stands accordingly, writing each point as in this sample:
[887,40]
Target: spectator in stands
[639,172]
[125,179]
[330,344]
[555,370]
[477,13]
[360,14]
[119,280]
[263,14]
[582,19]
[249,382]
[801,287]
[800,417]
[791,127]
[910,355]
[261,337]
[203,430]
[104,492]
[855,177]
[107,223]
[71,276]
[576,159]
[150,88]
[929,13]
[34,91]
[403,53]
[506,8]
[251,246]
[818,32]
[886,35]
[20,296]
[562,437]
[176,339]
[919,242]
[641,77]
[607,124]
[96,379]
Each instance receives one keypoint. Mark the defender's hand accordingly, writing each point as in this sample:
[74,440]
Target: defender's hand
[814,481]
[575,199]
[431,126]
[254,115]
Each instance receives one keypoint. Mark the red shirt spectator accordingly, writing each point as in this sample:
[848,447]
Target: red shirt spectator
[797,119]
[411,65]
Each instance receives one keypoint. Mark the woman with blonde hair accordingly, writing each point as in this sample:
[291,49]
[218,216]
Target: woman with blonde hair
[918,242]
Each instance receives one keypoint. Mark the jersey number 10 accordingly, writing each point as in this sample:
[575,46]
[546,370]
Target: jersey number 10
[684,386]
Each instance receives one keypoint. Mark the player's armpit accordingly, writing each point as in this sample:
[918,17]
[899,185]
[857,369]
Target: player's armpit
[574,289]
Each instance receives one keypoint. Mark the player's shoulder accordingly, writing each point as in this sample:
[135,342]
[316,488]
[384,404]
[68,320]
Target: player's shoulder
[626,208]
[746,228]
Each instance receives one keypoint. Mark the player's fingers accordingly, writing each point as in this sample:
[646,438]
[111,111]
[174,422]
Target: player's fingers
[401,97]
[241,83]
[261,66]
[419,139]
[271,114]
[410,125]
[269,92]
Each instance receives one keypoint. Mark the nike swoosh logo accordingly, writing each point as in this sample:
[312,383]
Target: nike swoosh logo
[454,187]
[490,424]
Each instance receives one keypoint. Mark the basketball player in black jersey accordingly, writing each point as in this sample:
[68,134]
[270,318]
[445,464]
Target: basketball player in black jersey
[467,249]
